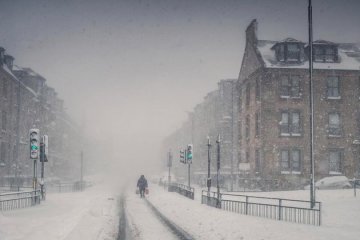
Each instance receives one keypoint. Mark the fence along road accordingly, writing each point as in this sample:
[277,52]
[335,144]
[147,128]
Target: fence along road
[290,210]
[10,201]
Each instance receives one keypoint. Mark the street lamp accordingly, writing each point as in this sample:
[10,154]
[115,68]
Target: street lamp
[208,182]
[311,93]
[218,205]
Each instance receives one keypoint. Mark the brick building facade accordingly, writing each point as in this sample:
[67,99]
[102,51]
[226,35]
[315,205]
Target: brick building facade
[27,102]
[274,113]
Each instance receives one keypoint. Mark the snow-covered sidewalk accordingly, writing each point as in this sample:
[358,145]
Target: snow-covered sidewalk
[341,218]
[91,215]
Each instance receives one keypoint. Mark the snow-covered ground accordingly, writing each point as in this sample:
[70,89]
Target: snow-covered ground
[90,215]
[93,215]
[341,218]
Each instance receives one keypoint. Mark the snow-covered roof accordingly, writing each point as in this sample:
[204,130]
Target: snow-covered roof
[16,79]
[349,57]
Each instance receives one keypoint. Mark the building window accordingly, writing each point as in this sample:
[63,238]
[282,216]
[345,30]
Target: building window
[289,51]
[334,126]
[5,88]
[247,94]
[290,160]
[257,124]
[3,153]
[290,123]
[333,87]
[257,160]
[247,157]
[293,52]
[285,160]
[257,89]
[359,87]
[280,52]
[335,159]
[325,54]
[3,120]
[290,86]
[247,127]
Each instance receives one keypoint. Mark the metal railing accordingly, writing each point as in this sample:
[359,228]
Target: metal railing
[210,199]
[10,201]
[355,182]
[67,187]
[13,188]
[297,211]
[182,189]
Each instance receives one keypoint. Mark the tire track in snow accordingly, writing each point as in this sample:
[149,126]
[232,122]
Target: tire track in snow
[122,235]
[177,230]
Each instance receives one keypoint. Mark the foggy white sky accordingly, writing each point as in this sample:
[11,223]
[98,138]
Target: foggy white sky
[131,69]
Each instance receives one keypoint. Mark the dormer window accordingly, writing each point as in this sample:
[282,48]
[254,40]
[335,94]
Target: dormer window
[289,50]
[293,52]
[324,51]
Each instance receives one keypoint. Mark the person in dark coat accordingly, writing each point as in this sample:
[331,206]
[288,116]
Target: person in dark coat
[142,185]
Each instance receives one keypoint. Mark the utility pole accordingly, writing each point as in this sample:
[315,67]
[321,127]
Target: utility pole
[169,165]
[81,170]
[311,93]
[208,182]
[18,99]
[42,160]
[189,174]
[218,172]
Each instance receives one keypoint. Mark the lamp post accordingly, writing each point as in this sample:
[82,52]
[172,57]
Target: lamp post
[218,204]
[208,182]
[311,93]
[169,164]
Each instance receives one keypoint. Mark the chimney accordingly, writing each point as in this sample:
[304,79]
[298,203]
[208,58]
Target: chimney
[2,52]
[251,32]
[9,60]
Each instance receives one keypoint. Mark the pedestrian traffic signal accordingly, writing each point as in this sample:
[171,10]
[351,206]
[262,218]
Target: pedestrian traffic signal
[34,143]
[189,152]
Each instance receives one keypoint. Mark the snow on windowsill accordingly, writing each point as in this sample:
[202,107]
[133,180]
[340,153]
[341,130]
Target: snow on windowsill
[334,98]
[285,134]
[335,173]
[291,172]
[334,136]
[290,97]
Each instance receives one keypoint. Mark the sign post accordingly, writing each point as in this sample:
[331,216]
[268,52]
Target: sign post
[43,158]
[169,165]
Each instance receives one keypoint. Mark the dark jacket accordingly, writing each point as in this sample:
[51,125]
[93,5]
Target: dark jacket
[142,183]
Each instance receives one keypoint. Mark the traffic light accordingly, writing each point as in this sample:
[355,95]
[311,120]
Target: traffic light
[189,152]
[34,143]
[44,148]
[182,156]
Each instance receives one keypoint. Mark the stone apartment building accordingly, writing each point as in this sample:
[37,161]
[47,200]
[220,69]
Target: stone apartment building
[217,114]
[274,109]
[39,108]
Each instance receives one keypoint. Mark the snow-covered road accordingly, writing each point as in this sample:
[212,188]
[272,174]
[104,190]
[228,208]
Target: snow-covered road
[142,222]
[94,215]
